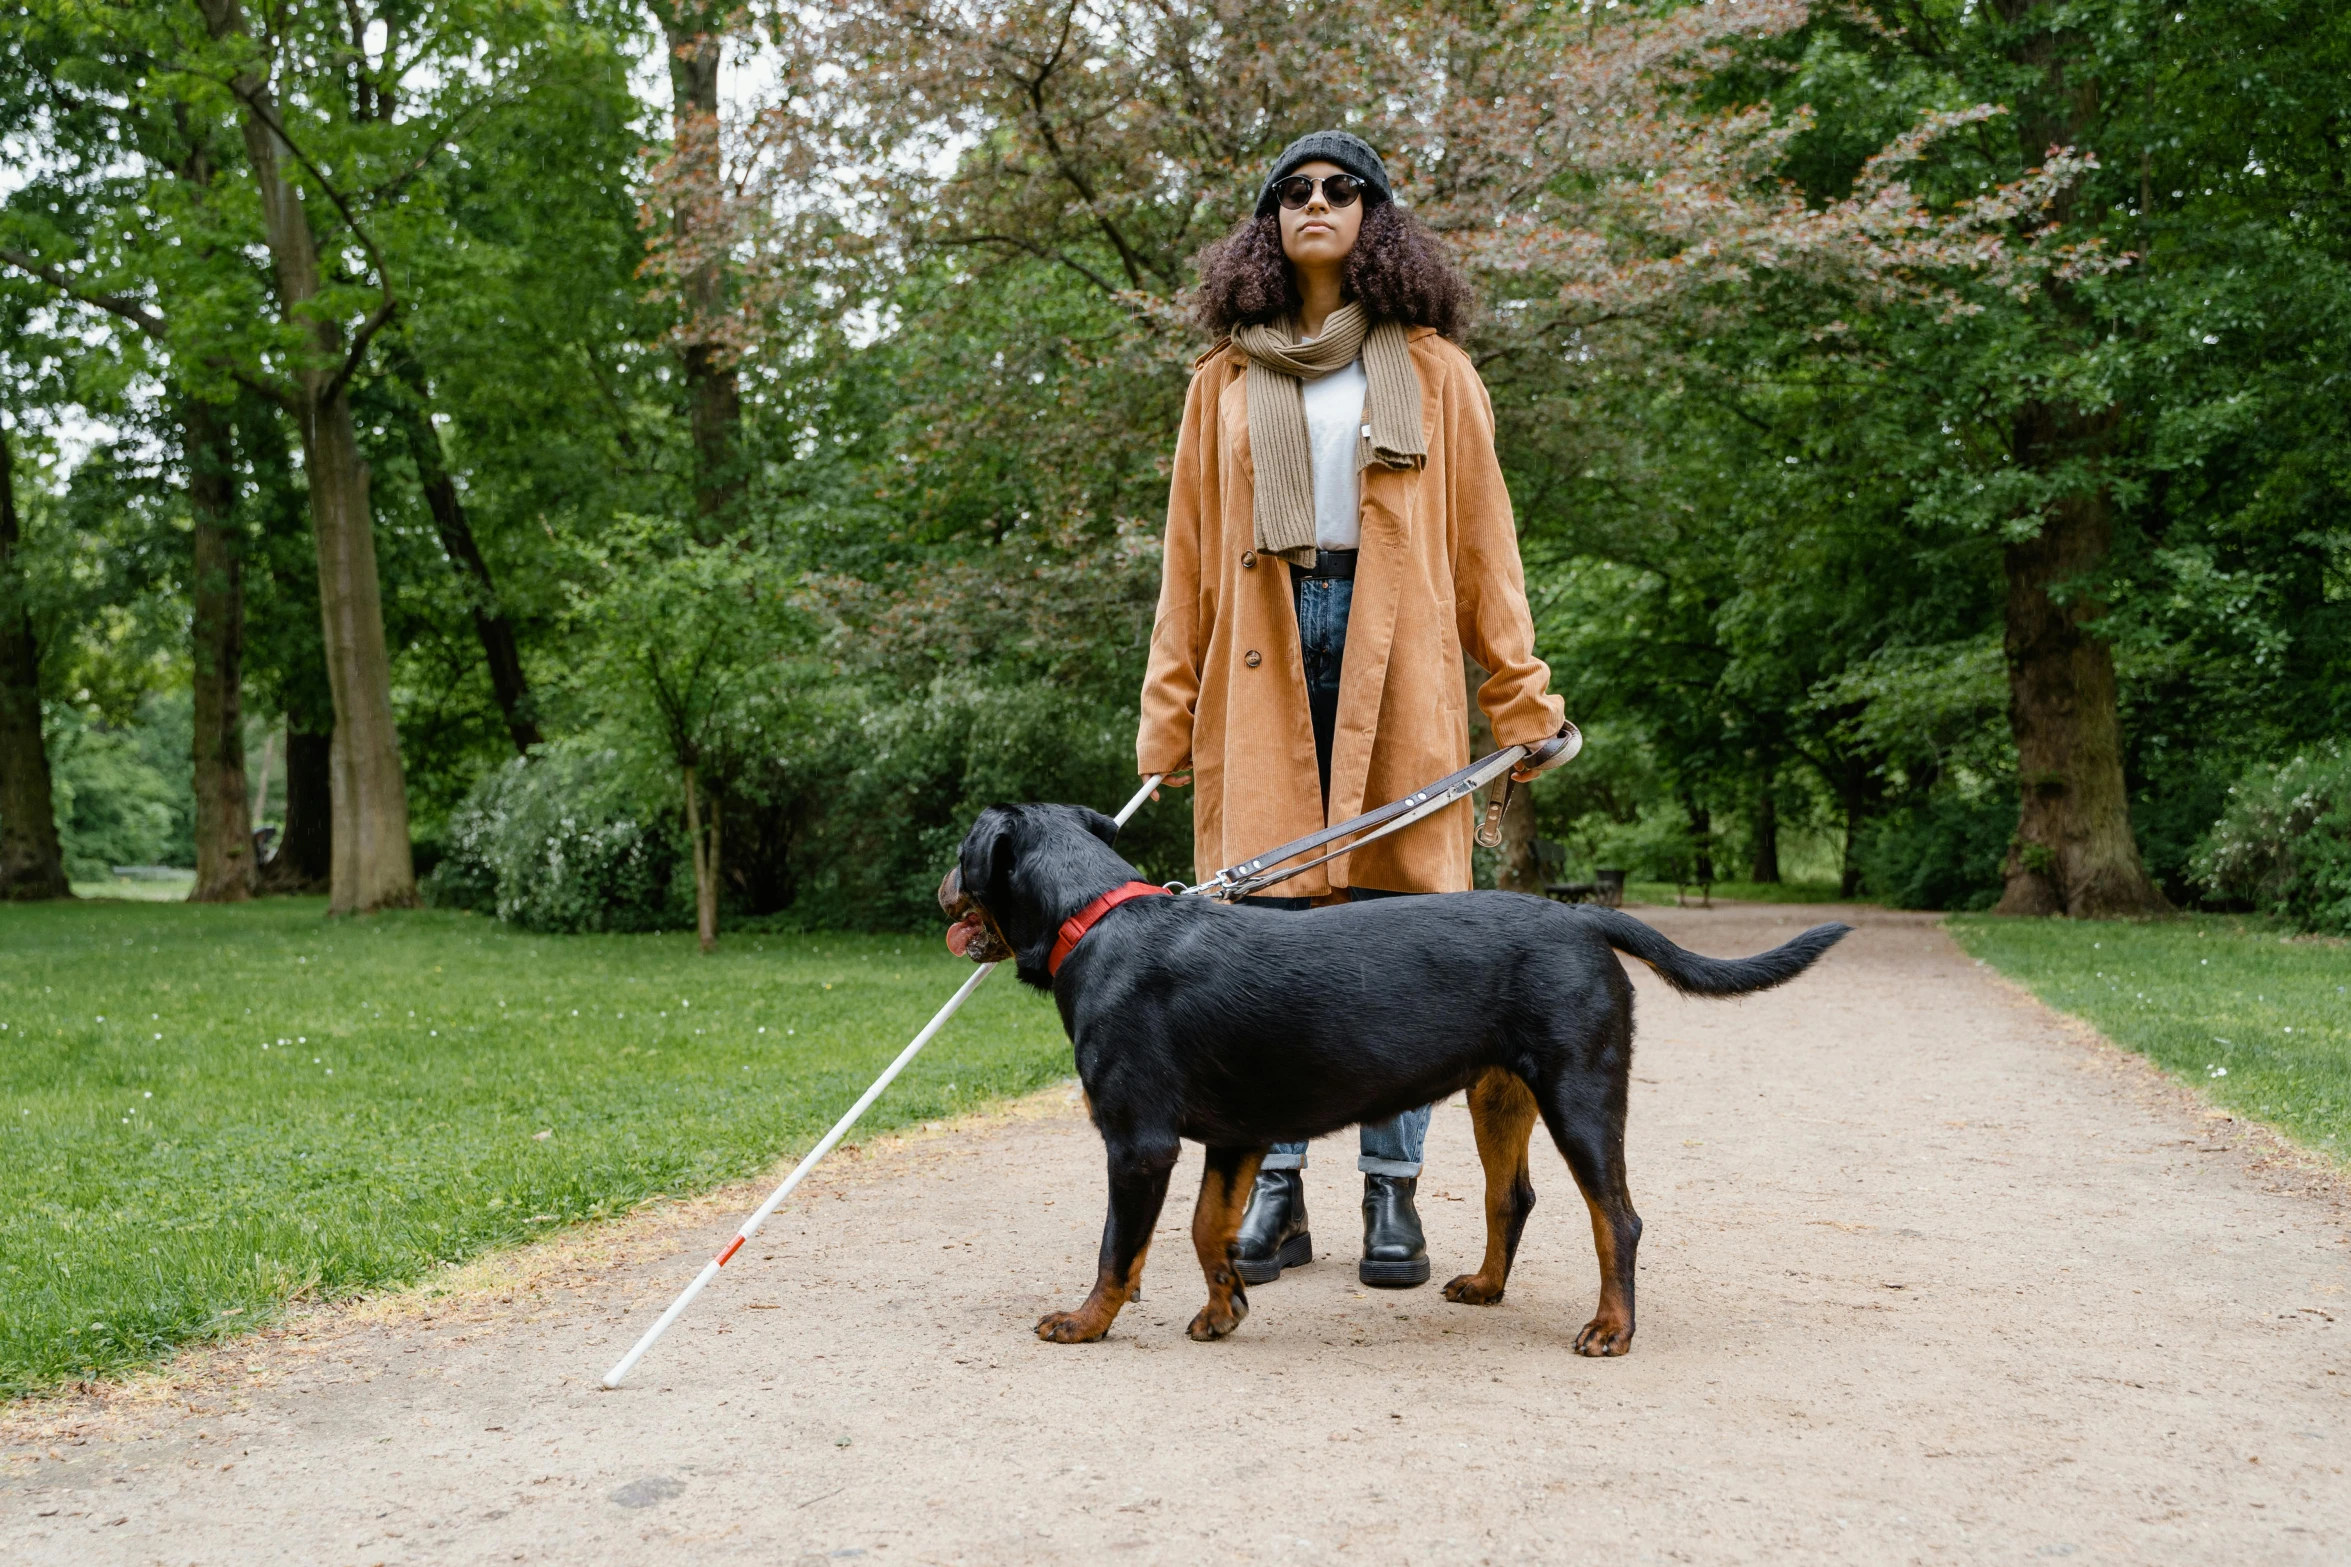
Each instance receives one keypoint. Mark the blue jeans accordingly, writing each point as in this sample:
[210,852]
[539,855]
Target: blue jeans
[1323,603]
[1393,1146]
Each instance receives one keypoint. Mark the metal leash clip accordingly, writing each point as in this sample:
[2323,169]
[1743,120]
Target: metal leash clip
[1490,830]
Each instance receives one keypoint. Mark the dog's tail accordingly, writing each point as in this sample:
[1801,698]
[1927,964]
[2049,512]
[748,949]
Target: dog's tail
[1693,975]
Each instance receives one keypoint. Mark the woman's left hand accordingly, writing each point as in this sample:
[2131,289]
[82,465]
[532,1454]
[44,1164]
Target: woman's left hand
[1560,749]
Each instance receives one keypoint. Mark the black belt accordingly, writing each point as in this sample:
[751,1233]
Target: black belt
[1329,563]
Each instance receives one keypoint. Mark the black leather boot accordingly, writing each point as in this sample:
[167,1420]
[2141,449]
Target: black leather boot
[1395,1255]
[1273,1232]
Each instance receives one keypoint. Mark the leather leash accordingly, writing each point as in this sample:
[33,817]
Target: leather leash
[1269,869]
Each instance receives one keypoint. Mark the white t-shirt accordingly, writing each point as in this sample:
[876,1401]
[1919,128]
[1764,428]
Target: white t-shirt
[1334,424]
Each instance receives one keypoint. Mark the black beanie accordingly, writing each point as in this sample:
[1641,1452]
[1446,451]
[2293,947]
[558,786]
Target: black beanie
[1349,152]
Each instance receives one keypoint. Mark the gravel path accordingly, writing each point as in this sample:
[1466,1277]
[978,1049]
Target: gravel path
[1929,1274]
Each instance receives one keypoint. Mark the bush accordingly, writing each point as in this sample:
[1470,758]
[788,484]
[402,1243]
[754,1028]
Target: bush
[2173,805]
[124,796]
[1942,854]
[2283,842]
[848,826]
[913,775]
[1659,846]
[561,843]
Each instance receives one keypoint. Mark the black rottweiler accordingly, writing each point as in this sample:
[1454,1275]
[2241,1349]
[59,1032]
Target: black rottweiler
[1240,1028]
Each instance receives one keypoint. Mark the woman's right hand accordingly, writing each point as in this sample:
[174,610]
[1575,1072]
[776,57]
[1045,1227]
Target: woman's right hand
[1173,781]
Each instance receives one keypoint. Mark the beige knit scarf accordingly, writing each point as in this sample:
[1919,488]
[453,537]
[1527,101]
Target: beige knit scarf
[1278,364]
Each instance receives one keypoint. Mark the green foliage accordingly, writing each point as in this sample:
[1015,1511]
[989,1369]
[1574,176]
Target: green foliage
[1657,846]
[1764,513]
[122,794]
[160,1190]
[1941,852]
[1682,893]
[563,843]
[690,646]
[579,838]
[1767,531]
[2257,1019]
[915,773]
[2283,841]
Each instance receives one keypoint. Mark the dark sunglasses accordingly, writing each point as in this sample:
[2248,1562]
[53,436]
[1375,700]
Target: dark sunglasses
[1340,190]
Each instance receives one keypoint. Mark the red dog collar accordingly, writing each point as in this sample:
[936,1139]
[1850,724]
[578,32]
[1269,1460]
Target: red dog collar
[1073,929]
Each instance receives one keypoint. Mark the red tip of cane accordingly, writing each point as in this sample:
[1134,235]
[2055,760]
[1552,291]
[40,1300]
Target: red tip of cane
[733,1246]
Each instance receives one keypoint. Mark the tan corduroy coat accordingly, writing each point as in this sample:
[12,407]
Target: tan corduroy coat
[1438,577]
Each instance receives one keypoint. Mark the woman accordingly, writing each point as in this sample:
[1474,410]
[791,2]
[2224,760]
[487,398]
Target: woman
[1338,536]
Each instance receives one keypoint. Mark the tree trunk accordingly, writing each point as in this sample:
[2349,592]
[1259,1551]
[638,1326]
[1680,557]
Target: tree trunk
[1764,865]
[499,647]
[1520,871]
[269,752]
[2073,852]
[1852,800]
[1701,841]
[696,40]
[372,868]
[304,855]
[705,863]
[224,831]
[32,861]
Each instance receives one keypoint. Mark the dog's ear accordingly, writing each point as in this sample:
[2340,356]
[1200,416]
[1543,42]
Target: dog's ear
[987,851]
[1099,825]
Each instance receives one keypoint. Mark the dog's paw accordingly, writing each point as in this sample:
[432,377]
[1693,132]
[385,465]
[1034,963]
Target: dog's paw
[1070,1327]
[1603,1337]
[1471,1289]
[1214,1321]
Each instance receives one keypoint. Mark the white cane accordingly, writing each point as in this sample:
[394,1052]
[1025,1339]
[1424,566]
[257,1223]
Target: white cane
[759,1215]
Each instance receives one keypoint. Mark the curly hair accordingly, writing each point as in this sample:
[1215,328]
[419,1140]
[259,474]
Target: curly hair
[1397,268]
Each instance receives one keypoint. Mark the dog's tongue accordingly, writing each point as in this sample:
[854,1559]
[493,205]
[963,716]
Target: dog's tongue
[962,934]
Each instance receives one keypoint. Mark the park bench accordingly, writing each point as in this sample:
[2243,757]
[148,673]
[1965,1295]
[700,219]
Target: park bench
[1606,887]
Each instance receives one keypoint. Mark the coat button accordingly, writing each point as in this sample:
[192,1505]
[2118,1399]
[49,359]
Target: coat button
[1253,658]
[1248,560]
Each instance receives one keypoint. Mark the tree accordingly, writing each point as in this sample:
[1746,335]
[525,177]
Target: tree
[339,129]
[695,32]
[286,655]
[372,869]
[32,863]
[698,635]
[2115,428]
[2074,852]
[224,827]
[160,260]
[495,628]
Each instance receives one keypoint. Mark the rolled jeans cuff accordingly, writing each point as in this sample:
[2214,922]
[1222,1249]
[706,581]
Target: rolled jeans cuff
[1285,1156]
[1406,1168]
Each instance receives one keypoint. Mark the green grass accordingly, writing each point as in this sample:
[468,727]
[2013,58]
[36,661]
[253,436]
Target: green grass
[206,1111]
[1742,892]
[2259,1020]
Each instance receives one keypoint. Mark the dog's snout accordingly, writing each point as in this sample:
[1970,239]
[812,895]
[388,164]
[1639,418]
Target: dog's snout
[951,891]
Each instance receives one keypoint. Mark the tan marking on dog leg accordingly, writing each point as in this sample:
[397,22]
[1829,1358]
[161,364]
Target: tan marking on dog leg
[1610,1332]
[1216,1224]
[1100,1308]
[1503,1113]
[1137,1189]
